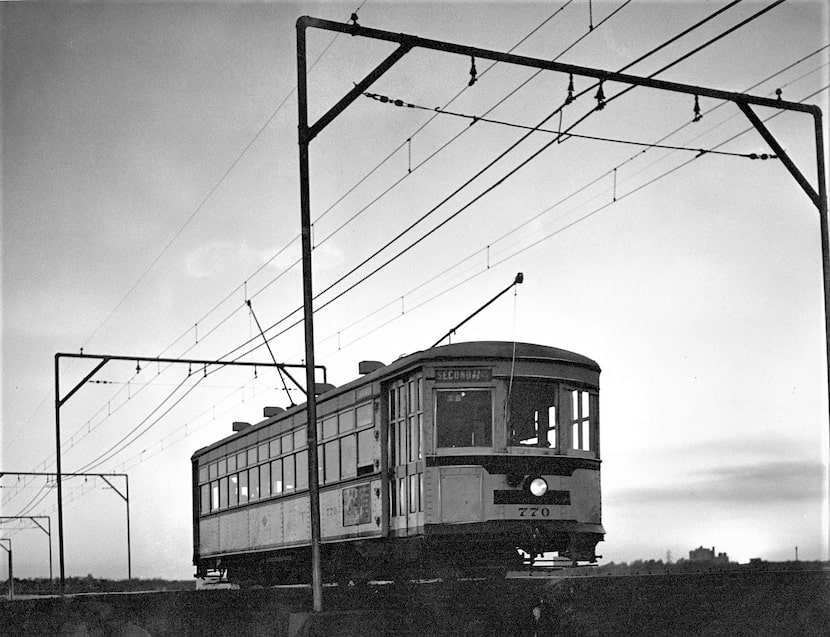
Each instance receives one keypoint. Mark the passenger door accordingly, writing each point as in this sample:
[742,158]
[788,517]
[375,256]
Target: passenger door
[405,452]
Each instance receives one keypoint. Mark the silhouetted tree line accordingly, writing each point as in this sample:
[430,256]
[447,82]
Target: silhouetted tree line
[90,584]
[657,567]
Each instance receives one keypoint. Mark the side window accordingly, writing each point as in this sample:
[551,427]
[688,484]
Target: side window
[332,455]
[365,446]
[253,483]
[243,487]
[265,479]
[288,473]
[233,489]
[583,418]
[214,495]
[464,418]
[276,477]
[205,493]
[302,469]
[348,456]
[223,493]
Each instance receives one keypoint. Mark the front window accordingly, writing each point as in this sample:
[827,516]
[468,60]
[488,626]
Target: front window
[531,414]
[464,418]
[583,418]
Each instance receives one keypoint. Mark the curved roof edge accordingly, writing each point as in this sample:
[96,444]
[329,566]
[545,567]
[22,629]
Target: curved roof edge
[466,350]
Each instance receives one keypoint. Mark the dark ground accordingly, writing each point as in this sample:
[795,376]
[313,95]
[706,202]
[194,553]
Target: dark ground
[732,603]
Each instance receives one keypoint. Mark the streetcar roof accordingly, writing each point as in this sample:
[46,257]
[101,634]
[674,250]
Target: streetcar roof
[467,351]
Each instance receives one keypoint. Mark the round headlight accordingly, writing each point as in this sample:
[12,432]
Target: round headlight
[538,487]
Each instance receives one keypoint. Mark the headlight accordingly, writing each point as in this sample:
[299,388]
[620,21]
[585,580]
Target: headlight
[538,487]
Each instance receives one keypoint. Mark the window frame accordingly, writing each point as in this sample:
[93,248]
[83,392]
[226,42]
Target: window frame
[489,389]
[236,479]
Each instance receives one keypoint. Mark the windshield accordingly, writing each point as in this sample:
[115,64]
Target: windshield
[531,414]
[464,418]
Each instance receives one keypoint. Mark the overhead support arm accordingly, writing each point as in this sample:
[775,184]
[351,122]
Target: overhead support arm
[413,41]
[769,138]
[103,362]
[357,91]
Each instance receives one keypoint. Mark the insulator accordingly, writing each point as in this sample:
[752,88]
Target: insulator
[697,116]
[600,97]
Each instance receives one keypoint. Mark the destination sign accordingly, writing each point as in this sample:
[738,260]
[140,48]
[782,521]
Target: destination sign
[463,374]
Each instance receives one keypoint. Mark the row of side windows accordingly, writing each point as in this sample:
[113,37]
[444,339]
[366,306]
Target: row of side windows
[345,457]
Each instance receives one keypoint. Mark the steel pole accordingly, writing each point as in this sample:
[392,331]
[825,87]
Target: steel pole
[825,240]
[51,577]
[11,569]
[308,314]
[129,556]
[58,475]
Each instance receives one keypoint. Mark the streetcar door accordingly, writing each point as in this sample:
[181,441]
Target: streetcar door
[406,464]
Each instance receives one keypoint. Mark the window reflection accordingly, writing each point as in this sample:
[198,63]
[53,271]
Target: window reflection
[464,418]
[532,414]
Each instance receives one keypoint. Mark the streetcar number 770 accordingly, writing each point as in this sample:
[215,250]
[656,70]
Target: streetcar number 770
[534,512]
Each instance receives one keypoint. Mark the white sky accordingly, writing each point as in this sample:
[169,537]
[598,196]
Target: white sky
[700,295]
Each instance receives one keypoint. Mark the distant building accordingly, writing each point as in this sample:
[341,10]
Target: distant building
[702,554]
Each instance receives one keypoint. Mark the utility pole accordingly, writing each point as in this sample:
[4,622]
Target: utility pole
[11,568]
[47,530]
[406,43]
[124,496]
[103,359]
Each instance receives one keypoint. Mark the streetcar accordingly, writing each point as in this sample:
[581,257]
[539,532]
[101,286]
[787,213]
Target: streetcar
[465,459]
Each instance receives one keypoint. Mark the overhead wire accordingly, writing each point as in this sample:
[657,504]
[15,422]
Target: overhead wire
[296,262]
[363,279]
[548,236]
[236,289]
[215,187]
[261,267]
[201,205]
[124,442]
[411,226]
[565,135]
[193,214]
[609,172]
[499,182]
[637,189]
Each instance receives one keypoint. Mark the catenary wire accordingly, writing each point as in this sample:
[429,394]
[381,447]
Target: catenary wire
[406,249]
[633,191]
[181,229]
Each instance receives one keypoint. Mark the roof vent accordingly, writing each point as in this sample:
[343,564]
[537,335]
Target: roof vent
[270,412]
[367,367]
[322,388]
[241,426]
